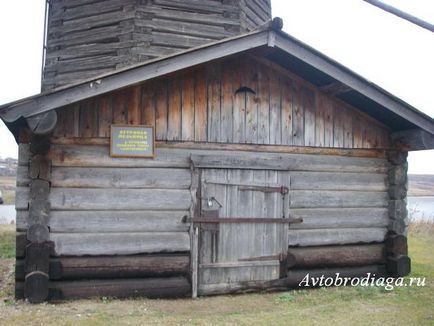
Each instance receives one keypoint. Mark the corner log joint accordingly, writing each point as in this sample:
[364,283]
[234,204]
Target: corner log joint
[39,247]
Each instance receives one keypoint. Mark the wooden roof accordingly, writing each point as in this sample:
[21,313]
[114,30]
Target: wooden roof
[280,47]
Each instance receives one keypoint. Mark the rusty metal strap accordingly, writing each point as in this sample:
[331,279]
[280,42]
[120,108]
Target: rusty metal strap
[246,220]
[283,190]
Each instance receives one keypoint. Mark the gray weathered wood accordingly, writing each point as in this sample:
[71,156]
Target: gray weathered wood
[329,256]
[338,181]
[321,237]
[413,140]
[398,209]
[329,218]
[44,123]
[38,213]
[78,244]
[131,178]
[163,287]
[98,156]
[292,280]
[327,198]
[40,168]
[39,189]
[111,199]
[111,221]
[234,274]
[38,233]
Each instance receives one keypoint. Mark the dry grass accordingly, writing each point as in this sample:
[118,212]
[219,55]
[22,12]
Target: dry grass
[7,187]
[330,306]
[421,227]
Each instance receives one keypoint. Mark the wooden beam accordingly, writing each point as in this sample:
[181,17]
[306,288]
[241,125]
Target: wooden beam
[413,140]
[335,88]
[401,14]
[334,256]
[43,123]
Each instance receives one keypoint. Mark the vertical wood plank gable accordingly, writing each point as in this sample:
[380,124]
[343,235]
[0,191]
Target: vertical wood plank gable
[105,110]
[213,98]
[250,80]
[319,120]
[120,110]
[200,99]
[298,116]
[134,105]
[338,126]
[263,98]
[228,93]
[88,119]
[239,131]
[275,110]
[148,104]
[161,111]
[309,116]
[201,105]
[174,124]
[188,107]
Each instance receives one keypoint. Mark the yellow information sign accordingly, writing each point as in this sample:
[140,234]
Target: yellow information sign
[132,141]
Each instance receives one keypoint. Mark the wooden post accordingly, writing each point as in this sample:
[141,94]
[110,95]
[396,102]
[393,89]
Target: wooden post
[39,247]
[194,231]
[194,262]
[397,262]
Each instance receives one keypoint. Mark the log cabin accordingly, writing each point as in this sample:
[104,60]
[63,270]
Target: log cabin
[268,160]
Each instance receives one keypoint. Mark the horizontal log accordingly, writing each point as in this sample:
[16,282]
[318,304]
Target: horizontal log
[131,178]
[377,153]
[334,256]
[299,162]
[338,181]
[321,237]
[413,140]
[396,244]
[398,266]
[330,218]
[36,287]
[21,243]
[328,198]
[78,244]
[98,156]
[68,268]
[292,280]
[111,199]
[44,123]
[170,287]
[111,221]
[24,154]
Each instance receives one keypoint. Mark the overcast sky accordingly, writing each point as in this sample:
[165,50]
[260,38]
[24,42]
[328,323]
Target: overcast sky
[389,51]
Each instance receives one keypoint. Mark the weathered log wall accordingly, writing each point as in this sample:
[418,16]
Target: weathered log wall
[207,105]
[86,38]
[125,215]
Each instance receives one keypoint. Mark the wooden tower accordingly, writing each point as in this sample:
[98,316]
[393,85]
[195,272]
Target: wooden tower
[86,38]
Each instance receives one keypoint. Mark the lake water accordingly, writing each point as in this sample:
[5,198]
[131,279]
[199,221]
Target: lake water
[7,214]
[419,208]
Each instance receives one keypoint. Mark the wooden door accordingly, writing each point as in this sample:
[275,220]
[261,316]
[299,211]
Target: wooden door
[251,246]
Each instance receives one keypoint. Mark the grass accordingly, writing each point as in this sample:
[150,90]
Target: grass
[337,306]
[7,241]
[7,187]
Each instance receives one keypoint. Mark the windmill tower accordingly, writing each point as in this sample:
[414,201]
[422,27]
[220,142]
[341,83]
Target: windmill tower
[86,38]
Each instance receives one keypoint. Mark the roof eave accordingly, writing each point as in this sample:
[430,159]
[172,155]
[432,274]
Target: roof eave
[103,84]
[352,80]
